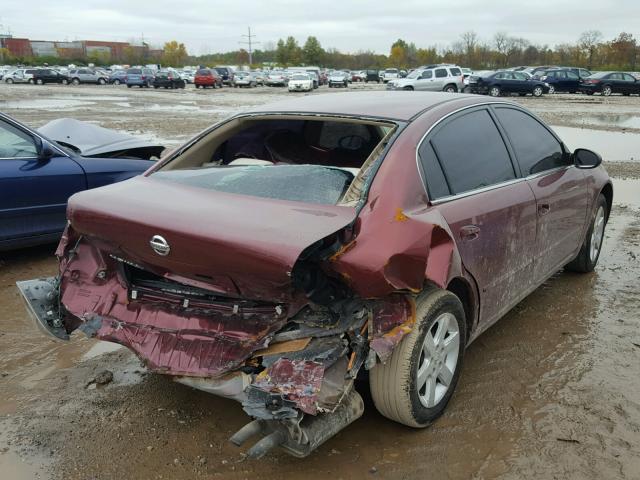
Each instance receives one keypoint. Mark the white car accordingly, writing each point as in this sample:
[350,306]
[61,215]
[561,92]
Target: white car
[19,75]
[187,75]
[300,82]
[390,74]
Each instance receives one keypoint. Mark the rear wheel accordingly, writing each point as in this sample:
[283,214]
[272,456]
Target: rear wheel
[31,81]
[76,81]
[415,384]
[408,88]
[606,90]
[116,82]
[101,81]
[9,81]
[537,91]
[494,91]
[39,81]
[590,251]
[450,88]
[65,81]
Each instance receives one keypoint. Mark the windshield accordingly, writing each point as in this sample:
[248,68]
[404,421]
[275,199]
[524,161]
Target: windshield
[415,74]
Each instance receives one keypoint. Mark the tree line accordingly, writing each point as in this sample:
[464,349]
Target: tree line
[590,50]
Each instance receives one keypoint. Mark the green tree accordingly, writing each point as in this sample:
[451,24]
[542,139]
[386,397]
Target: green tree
[174,54]
[312,52]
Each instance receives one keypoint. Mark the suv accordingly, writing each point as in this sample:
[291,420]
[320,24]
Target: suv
[168,78]
[441,78]
[20,75]
[390,74]
[142,77]
[226,73]
[372,76]
[207,77]
[86,75]
[48,75]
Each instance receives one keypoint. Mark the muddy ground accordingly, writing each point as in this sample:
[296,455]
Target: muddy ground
[550,391]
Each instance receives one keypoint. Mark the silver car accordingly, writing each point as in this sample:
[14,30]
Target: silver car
[86,75]
[19,75]
[438,78]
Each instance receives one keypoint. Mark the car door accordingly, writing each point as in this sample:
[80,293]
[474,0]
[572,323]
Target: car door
[572,82]
[425,81]
[522,82]
[559,187]
[491,212]
[33,191]
[440,76]
[560,80]
[629,84]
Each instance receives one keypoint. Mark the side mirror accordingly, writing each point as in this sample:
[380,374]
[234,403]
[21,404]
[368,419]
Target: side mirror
[45,150]
[583,158]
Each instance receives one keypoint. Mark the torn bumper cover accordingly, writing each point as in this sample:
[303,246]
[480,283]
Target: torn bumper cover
[292,366]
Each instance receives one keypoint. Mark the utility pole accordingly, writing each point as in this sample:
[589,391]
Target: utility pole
[250,43]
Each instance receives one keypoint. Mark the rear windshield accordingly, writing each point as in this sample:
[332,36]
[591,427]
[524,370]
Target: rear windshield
[203,71]
[134,71]
[301,183]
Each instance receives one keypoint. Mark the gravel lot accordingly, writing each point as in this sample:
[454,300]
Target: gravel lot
[550,391]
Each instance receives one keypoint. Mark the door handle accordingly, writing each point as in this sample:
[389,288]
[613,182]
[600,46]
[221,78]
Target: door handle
[544,208]
[469,232]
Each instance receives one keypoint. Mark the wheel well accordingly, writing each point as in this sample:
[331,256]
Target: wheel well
[461,289]
[607,191]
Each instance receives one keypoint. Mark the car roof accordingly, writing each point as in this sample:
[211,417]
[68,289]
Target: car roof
[391,105]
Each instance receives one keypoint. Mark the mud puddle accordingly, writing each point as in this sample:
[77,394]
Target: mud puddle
[622,120]
[613,146]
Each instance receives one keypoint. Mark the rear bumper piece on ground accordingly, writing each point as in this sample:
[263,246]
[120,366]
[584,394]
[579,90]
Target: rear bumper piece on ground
[41,300]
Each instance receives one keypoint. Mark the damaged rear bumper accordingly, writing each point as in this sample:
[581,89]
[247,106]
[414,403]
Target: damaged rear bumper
[291,366]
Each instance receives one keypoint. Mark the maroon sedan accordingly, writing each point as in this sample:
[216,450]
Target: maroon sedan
[284,252]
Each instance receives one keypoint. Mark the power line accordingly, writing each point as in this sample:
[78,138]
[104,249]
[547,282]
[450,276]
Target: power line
[250,43]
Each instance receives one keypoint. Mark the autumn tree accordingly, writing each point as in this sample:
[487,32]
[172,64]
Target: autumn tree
[174,54]
[589,41]
[312,52]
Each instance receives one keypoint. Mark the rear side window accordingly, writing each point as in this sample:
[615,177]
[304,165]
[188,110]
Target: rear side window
[441,73]
[436,182]
[472,152]
[455,72]
[536,149]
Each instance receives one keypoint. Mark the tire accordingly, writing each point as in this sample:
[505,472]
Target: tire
[76,81]
[394,384]
[101,81]
[552,90]
[589,254]
[495,91]
[31,82]
[129,86]
[65,81]
[537,91]
[116,82]
[589,93]
[606,90]
[450,89]
[39,82]
[9,81]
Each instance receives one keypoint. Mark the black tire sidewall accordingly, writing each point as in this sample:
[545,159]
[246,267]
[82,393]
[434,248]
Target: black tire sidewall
[450,304]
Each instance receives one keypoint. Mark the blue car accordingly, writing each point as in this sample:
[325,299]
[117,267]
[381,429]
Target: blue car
[38,175]
[141,77]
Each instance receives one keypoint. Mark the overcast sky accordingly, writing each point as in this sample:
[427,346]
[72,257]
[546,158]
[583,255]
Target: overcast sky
[215,25]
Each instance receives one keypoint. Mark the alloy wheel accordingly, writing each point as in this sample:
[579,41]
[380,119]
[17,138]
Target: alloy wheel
[597,235]
[438,360]
[494,92]
[537,91]
[552,89]
[606,91]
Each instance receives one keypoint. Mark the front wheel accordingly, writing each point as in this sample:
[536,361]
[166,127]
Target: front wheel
[39,81]
[415,384]
[494,91]
[590,251]
[408,88]
[116,82]
[537,91]
[31,81]
[76,81]
[9,81]
[102,81]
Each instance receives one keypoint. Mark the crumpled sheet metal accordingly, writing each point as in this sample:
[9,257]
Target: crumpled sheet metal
[392,319]
[167,338]
[298,381]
